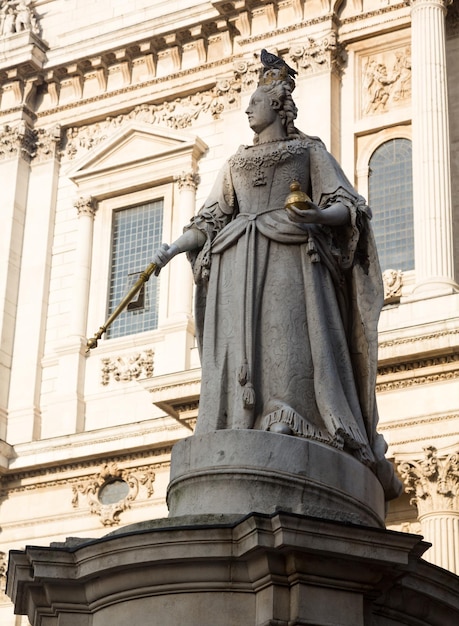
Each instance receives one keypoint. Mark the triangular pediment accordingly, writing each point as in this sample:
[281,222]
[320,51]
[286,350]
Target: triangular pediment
[135,142]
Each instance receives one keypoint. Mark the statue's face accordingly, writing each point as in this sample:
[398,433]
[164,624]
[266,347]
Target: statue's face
[260,112]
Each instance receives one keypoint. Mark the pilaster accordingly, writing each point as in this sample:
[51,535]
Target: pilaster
[319,62]
[24,420]
[17,146]
[433,481]
[431,159]
[180,328]
[67,412]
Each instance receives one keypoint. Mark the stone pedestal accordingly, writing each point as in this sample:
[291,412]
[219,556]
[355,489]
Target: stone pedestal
[241,471]
[258,570]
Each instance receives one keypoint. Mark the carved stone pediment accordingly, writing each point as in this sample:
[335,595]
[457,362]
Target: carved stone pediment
[137,150]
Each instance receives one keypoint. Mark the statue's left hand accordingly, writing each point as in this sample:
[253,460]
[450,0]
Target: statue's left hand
[311,215]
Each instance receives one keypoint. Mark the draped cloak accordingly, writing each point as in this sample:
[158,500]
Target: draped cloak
[287,313]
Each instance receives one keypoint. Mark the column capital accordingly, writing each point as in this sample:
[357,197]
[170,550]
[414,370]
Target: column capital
[442,4]
[433,481]
[48,143]
[19,140]
[188,181]
[86,206]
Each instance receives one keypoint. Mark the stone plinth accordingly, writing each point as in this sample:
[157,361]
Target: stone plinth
[282,570]
[237,471]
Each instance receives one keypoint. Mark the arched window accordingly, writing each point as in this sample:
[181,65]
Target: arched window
[390,195]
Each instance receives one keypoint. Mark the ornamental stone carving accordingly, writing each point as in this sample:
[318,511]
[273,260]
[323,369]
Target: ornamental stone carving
[433,481]
[48,143]
[177,114]
[386,81]
[17,141]
[127,368]
[112,491]
[319,54]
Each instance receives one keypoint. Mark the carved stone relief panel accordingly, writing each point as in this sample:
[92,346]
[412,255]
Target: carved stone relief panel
[112,490]
[385,80]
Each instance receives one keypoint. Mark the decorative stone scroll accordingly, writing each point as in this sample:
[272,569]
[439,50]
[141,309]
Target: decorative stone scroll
[319,54]
[112,490]
[432,481]
[386,81]
[125,369]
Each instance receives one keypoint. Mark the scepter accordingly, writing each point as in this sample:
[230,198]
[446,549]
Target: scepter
[136,287]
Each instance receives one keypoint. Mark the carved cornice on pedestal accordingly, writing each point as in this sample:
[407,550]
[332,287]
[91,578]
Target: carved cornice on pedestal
[433,481]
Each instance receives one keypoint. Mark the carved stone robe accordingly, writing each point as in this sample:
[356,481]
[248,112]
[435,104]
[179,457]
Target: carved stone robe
[287,314]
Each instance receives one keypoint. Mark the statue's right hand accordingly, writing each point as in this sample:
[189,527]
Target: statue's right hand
[162,256]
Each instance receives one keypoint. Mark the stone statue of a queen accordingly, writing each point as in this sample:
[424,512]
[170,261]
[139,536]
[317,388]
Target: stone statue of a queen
[288,298]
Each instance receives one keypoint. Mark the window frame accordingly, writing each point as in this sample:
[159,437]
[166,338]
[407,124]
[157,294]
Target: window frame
[102,255]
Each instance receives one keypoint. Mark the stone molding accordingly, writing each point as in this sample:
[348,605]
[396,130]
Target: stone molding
[432,481]
[405,374]
[416,338]
[277,570]
[128,367]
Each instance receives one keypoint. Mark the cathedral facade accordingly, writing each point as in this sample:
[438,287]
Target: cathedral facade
[115,119]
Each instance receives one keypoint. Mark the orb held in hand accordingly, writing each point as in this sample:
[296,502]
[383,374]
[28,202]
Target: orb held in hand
[297,198]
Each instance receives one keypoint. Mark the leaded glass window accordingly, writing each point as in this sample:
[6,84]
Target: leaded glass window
[136,232]
[391,199]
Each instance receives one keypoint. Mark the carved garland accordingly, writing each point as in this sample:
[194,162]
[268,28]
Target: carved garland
[112,491]
[125,369]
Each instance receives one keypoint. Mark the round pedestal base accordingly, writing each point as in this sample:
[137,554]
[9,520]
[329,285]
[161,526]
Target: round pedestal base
[245,471]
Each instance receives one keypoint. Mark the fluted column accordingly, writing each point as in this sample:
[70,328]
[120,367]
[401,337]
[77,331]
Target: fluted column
[433,482]
[431,159]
